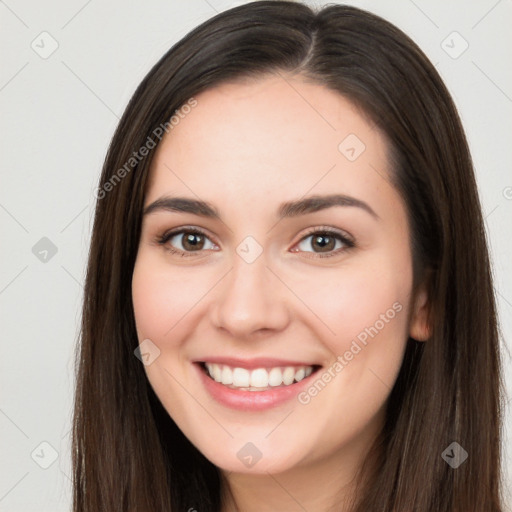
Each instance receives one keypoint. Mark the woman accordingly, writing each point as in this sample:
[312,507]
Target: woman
[281,309]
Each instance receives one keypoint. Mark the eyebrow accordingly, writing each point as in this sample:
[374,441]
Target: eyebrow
[295,208]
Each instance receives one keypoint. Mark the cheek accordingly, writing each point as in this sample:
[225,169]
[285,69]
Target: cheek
[351,299]
[363,310]
[162,303]
[152,303]
[162,299]
[367,314]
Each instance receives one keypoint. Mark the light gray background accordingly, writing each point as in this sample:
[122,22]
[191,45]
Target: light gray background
[57,117]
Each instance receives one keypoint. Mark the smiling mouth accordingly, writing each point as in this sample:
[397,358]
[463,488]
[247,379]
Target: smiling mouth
[257,379]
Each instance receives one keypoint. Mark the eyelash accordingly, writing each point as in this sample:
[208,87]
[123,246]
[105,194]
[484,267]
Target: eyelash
[348,242]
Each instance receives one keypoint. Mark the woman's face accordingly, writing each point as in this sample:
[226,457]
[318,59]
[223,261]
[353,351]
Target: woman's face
[301,271]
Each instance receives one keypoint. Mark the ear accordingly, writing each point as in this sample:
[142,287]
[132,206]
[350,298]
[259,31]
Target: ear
[420,328]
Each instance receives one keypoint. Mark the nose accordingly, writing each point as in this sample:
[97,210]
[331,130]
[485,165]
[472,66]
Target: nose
[250,300]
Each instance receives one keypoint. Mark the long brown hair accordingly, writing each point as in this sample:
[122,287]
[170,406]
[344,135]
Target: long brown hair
[128,454]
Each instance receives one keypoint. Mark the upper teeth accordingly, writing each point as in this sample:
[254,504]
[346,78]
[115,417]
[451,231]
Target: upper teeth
[257,378]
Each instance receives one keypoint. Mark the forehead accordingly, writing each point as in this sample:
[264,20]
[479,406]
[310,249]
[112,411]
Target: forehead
[276,133]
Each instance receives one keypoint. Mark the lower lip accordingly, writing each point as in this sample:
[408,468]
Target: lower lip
[251,400]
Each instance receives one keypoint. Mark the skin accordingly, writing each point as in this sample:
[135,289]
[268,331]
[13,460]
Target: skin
[246,148]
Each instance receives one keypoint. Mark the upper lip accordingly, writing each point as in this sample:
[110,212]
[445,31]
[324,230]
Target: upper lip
[257,362]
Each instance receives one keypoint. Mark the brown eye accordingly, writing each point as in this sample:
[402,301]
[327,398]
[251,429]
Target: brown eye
[328,243]
[186,241]
[325,243]
[193,241]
